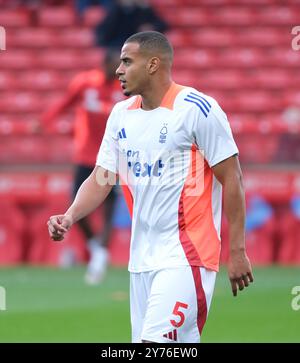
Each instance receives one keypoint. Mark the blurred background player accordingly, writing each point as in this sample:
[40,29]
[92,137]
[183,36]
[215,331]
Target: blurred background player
[94,93]
[124,18]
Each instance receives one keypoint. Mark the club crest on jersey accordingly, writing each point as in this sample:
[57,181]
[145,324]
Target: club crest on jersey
[163,134]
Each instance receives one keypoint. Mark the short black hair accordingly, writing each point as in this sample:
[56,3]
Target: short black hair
[150,41]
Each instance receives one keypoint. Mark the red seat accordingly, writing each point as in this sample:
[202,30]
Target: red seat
[283,58]
[212,37]
[60,149]
[292,98]
[257,101]
[21,102]
[93,15]
[56,16]
[119,247]
[278,15]
[185,78]
[43,80]
[16,124]
[274,79]
[7,81]
[260,36]
[60,59]
[14,18]
[242,57]
[191,59]
[251,147]
[33,38]
[260,244]
[17,59]
[76,38]
[12,225]
[91,58]
[234,15]
[229,79]
[186,17]
[289,247]
[20,149]
[178,38]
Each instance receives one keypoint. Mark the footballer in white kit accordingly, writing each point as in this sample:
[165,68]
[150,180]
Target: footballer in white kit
[164,158]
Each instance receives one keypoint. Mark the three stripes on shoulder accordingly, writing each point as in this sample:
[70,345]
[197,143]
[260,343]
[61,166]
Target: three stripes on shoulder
[199,101]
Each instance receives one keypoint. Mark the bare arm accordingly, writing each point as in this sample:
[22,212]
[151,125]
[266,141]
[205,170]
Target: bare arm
[90,195]
[229,175]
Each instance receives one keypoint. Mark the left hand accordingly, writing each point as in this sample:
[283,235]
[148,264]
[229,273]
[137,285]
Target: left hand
[239,271]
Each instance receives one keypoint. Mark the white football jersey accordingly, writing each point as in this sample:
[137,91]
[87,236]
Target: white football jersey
[164,158]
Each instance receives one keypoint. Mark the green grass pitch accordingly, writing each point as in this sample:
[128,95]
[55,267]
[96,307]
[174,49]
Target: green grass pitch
[54,305]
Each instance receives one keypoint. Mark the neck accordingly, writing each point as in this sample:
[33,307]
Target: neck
[154,94]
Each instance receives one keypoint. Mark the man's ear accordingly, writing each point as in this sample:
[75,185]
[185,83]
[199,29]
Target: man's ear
[153,65]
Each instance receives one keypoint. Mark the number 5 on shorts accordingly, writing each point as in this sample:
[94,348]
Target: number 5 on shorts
[179,313]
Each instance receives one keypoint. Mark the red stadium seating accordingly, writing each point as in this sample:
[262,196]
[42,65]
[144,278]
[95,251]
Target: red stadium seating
[43,80]
[93,15]
[191,59]
[257,101]
[75,38]
[119,247]
[14,18]
[12,225]
[70,59]
[187,17]
[238,52]
[261,37]
[7,81]
[275,79]
[33,38]
[278,15]
[234,16]
[256,148]
[17,59]
[57,16]
[212,37]
[20,102]
[36,149]
[242,58]
[289,247]
[260,244]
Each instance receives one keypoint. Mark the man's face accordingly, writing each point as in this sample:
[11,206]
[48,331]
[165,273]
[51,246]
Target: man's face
[132,71]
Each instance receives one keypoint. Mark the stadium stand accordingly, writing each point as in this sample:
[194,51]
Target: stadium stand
[237,51]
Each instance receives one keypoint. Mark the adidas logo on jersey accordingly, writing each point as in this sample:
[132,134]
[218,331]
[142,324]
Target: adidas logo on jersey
[122,134]
[172,335]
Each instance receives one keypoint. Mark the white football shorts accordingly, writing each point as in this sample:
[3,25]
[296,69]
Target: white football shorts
[170,305]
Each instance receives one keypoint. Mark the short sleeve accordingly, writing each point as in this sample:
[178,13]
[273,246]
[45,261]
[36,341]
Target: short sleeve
[213,134]
[108,153]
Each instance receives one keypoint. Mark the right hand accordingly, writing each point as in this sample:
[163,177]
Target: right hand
[58,226]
